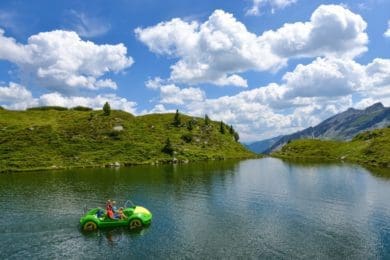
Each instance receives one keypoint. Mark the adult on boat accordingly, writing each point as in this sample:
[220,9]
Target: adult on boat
[109,210]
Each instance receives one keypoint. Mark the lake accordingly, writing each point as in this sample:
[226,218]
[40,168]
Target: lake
[263,208]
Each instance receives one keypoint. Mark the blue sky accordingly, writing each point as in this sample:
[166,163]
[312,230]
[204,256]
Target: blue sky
[267,67]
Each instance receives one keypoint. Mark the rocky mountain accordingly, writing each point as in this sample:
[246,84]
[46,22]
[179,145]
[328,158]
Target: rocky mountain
[343,126]
[261,146]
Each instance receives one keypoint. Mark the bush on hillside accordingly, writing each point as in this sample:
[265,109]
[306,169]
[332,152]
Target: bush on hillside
[187,138]
[366,135]
[81,108]
[44,108]
[190,125]
[114,135]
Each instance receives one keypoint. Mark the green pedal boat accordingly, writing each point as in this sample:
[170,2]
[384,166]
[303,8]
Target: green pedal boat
[135,217]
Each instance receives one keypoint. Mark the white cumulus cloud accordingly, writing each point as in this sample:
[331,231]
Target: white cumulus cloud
[332,30]
[217,50]
[212,52]
[172,94]
[377,83]
[62,61]
[325,77]
[15,96]
[332,77]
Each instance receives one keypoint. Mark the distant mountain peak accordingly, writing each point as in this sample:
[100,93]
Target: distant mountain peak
[342,126]
[374,107]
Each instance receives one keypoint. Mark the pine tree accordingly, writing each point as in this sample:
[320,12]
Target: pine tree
[231,130]
[190,125]
[222,128]
[206,120]
[176,119]
[106,109]
[236,136]
[168,148]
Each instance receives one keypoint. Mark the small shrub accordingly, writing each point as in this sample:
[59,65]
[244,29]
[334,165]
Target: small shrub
[44,108]
[81,108]
[191,123]
[114,135]
[91,116]
[187,138]
[368,151]
[190,127]
[366,135]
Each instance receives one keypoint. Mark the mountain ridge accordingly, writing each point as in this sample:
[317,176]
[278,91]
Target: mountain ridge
[342,126]
[261,146]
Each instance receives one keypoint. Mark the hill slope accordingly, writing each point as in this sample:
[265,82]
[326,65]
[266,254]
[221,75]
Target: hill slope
[342,126]
[37,139]
[369,148]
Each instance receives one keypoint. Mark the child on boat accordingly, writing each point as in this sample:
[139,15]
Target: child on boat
[121,214]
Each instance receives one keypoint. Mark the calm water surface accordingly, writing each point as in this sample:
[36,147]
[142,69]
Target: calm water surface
[261,208]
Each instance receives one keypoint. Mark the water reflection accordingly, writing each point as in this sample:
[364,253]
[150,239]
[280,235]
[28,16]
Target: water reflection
[256,208]
[379,172]
[115,236]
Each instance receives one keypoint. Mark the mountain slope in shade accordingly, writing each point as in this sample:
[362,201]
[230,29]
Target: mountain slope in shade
[261,146]
[343,126]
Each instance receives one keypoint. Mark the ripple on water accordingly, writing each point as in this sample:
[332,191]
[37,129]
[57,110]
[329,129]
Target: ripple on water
[262,208]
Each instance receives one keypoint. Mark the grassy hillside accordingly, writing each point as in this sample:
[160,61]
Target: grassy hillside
[37,139]
[370,148]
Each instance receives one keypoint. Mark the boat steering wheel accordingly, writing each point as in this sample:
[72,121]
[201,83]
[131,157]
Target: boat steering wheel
[129,203]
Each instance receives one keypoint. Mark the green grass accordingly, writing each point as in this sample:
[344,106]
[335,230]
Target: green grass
[370,148]
[51,138]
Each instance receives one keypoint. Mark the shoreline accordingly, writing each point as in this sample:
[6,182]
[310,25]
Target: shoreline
[300,160]
[125,164]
